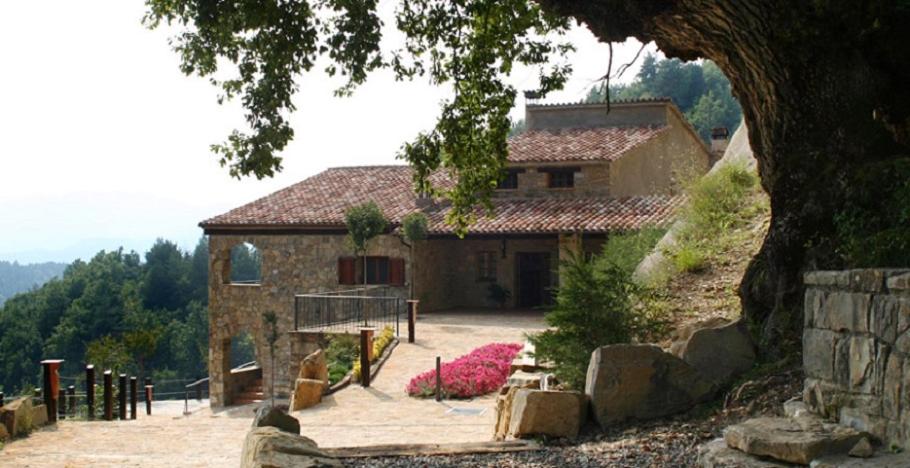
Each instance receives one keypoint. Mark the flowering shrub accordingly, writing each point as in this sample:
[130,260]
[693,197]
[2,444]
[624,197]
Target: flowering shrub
[479,372]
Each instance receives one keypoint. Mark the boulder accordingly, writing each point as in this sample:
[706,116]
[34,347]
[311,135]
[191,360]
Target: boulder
[682,334]
[862,449]
[504,411]
[720,353]
[641,381]
[307,393]
[270,447]
[314,367]
[268,416]
[39,415]
[548,413]
[16,416]
[3,432]
[716,454]
[794,440]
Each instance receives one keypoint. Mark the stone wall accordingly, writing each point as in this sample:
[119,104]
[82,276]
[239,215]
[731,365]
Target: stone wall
[291,264]
[856,350]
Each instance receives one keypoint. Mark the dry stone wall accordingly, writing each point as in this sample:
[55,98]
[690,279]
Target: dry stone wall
[856,350]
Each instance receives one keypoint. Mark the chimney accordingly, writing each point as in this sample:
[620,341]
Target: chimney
[720,137]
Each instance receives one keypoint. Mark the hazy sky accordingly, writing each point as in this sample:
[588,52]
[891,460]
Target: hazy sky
[103,142]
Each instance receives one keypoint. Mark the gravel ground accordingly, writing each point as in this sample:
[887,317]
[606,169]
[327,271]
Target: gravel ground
[671,442]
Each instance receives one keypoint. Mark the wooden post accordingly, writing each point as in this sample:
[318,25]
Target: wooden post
[1,399]
[90,391]
[108,395]
[148,399]
[412,318]
[71,400]
[61,404]
[134,385]
[121,396]
[438,378]
[51,386]
[366,348]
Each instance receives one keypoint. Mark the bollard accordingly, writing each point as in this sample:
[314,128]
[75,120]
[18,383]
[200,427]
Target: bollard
[412,319]
[61,404]
[51,386]
[71,400]
[438,378]
[366,346]
[108,395]
[1,399]
[121,396]
[148,399]
[133,386]
[90,391]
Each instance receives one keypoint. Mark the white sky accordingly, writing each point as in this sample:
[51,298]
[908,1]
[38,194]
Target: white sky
[103,142]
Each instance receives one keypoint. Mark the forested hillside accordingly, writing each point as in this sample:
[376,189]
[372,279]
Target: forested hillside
[16,278]
[116,311]
[700,90]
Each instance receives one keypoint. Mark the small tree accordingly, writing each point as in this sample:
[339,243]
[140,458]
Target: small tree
[364,222]
[271,336]
[415,227]
[595,306]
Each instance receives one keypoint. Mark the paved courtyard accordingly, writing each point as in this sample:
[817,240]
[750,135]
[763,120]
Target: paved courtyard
[381,414]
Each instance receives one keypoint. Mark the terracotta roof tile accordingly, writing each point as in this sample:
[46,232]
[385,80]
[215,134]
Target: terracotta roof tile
[321,200]
[552,215]
[578,144]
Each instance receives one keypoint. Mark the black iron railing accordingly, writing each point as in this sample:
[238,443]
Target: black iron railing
[347,310]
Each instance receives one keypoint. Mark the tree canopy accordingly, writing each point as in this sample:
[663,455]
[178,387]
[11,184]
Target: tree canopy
[114,311]
[700,90]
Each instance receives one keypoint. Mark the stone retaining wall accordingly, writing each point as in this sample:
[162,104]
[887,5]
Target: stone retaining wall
[856,350]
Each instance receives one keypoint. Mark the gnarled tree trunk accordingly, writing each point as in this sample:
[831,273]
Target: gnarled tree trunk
[823,88]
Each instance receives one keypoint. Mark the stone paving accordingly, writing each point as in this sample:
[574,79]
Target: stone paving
[381,414]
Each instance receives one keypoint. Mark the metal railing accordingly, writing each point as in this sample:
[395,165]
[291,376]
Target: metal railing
[346,311]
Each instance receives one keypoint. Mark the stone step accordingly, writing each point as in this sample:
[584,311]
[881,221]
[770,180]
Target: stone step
[716,454]
[796,440]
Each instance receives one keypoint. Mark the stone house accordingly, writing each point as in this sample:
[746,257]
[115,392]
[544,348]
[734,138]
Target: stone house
[577,174]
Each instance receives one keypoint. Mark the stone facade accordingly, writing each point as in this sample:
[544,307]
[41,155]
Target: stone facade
[291,264]
[856,350]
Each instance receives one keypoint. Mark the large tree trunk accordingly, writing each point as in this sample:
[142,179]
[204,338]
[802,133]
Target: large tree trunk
[823,87]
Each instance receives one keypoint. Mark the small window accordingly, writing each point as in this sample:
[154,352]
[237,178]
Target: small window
[377,270]
[561,178]
[510,182]
[486,266]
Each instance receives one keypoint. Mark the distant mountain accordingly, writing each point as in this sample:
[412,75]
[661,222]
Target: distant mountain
[16,278]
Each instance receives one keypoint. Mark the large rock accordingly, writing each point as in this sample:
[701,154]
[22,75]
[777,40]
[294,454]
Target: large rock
[682,334]
[39,415]
[3,433]
[720,353]
[794,440]
[880,460]
[642,382]
[504,411]
[716,454]
[314,367]
[307,393]
[549,413]
[270,447]
[268,416]
[16,416]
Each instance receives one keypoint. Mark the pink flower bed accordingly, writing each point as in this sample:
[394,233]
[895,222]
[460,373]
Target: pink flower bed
[479,372]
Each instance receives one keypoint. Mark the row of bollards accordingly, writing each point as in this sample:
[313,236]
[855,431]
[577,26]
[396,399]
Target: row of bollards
[62,402]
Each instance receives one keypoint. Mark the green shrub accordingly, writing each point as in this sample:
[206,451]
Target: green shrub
[597,304]
[718,200]
[628,250]
[340,355]
[689,258]
[498,294]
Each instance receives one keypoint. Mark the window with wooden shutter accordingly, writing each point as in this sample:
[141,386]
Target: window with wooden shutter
[346,270]
[396,271]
